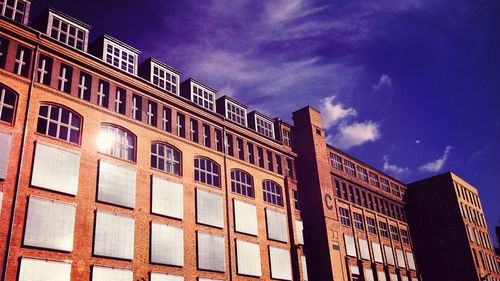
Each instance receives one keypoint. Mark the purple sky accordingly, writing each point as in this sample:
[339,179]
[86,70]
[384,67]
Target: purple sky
[410,87]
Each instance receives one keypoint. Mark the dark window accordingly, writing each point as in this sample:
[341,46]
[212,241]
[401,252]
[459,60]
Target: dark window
[152,113]
[206,171]
[336,161]
[344,192]
[272,193]
[351,194]
[4,47]
[270,165]
[193,130]
[218,139]
[345,218]
[65,75]
[383,229]
[60,123]
[358,197]
[260,157]
[394,233]
[120,100]
[337,189]
[8,102]
[279,170]
[166,119]
[242,183]
[370,202]
[166,158]
[13,9]
[358,221]
[22,61]
[349,167]
[251,158]
[296,200]
[181,123]
[206,135]
[44,70]
[84,86]
[372,228]
[103,94]
[239,147]
[404,236]
[137,107]
[229,144]
[289,168]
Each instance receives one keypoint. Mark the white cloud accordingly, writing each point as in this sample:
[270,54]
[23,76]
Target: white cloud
[356,134]
[332,112]
[384,81]
[437,165]
[394,169]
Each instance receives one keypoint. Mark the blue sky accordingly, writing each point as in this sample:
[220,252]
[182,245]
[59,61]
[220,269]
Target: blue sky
[410,87]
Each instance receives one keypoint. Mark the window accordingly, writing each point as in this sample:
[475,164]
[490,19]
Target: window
[5,143]
[289,168]
[229,144]
[350,245]
[100,273]
[276,226]
[270,165]
[203,98]
[49,163]
[67,32]
[120,100]
[211,252]
[280,263]
[193,130]
[394,233]
[181,123]
[260,156]
[336,161]
[299,227]
[157,276]
[152,113]
[383,229]
[46,215]
[345,218]
[374,179]
[264,126]
[239,148]
[296,200]
[44,70]
[245,218]
[304,267]
[117,142]
[250,151]
[209,208]
[8,100]
[167,244]
[236,113]
[372,228]
[103,94]
[167,198]
[22,61]
[279,170]
[404,236]
[4,47]
[38,270]
[272,193]
[166,158]
[120,57]
[84,86]
[287,139]
[65,76]
[400,258]
[137,107]
[395,189]
[362,174]
[363,249]
[206,136]
[377,253]
[389,255]
[384,183]
[248,258]
[358,221]
[165,119]
[114,236]
[218,140]
[351,194]
[164,78]
[206,171]
[242,183]
[15,10]
[117,184]
[349,168]
[59,122]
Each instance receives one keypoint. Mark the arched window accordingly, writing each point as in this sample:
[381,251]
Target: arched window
[59,122]
[242,183]
[166,158]
[272,193]
[206,171]
[8,99]
[117,142]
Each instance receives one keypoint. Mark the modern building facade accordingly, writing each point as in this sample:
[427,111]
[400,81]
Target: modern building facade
[450,233]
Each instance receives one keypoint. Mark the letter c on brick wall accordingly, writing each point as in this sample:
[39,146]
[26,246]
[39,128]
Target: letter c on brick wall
[328,201]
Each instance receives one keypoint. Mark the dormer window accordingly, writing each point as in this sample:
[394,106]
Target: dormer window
[16,10]
[120,55]
[264,126]
[236,113]
[203,97]
[164,78]
[67,31]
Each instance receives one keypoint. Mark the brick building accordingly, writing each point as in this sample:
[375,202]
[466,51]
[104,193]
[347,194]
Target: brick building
[447,220]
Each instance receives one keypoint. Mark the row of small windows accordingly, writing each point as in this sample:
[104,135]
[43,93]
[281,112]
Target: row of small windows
[467,195]
[472,215]
[479,237]
[367,176]
[367,199]
[488,262]
[359,224]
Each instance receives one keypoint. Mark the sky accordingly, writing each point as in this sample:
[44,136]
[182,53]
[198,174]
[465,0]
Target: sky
[409,87]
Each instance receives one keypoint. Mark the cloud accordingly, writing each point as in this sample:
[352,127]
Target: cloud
[356,134]
[394,169]
[385,81]
[437,165]
[332,112]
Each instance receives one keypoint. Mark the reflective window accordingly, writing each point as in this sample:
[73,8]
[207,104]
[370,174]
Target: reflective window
[166,158]
[60,123]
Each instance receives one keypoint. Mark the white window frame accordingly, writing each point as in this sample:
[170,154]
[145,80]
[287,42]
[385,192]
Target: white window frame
[174,85]
[198,94]
[264,126]
[15,10]
[70,24]
[233,116]
[119,58]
